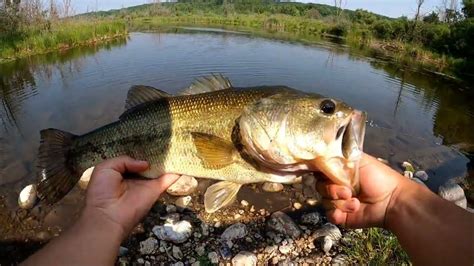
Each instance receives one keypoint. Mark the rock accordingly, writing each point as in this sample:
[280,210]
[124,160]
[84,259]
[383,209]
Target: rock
[244,203]
[28,197]
[148,246]
[330,230]
[204,229]
[179,263]
[200,250]
[272,187]
[184,186]
[237,216]
[226,250]
[297,205]
[183,202]
[170,208]
[312,218]
[85,178]
[213,257]
[123,251]
[177,253]
[176,232]
[422,175]
[408,174]
[285,249]
[408,167]
[327,243]
[235,231]
[140,261]
[282,223]
[454,193]
[244,258]
[197,263]
[171,218]
[309,180]
[312,201]
[270,249]
[340,260]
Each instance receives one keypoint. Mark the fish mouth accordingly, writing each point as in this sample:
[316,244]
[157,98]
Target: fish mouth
[341,164]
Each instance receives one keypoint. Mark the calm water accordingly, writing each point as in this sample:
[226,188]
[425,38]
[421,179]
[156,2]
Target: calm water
[413,116]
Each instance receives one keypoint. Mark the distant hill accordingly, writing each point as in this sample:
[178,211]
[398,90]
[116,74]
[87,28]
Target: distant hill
[220,7]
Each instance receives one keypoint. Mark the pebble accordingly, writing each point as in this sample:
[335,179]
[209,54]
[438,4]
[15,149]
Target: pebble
[454,193]
[311,201]
[235,231]
[244,258]
[272,187]
[148,246]
[312,218]
[213,257]
[237,216]
[204,229]
[327,244]
[408,166]
[184,186]
[340,260]
[183,202]
[85,178]
[123,251]
[422,175]
[244,203]
[140,261]
[262,212]
[28,197]
[408,174]
[297,205]
[330,230]
[200,250]
[226,250]
[197,263]
[170,208]
[179,263]
[177,253]
[285,249]
[282,223]
[176,232]
[270,249]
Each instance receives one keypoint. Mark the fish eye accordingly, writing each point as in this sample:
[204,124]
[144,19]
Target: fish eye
[328,107]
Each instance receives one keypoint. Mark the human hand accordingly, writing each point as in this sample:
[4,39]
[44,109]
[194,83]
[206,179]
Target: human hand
[378,188]
[119,202]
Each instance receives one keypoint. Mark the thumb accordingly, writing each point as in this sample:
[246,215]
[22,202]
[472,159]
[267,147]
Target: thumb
[160,184]
[123,164]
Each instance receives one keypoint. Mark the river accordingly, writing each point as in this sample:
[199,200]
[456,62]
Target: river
[414,115]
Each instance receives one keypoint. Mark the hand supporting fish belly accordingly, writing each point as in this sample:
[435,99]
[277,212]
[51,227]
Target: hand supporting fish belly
[213,130]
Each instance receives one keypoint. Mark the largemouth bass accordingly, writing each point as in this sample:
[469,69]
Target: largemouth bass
[213,130]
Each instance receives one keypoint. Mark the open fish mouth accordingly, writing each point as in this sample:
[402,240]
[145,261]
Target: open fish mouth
[341,164]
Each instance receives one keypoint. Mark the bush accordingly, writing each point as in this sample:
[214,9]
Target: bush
[340,29]
[383,29]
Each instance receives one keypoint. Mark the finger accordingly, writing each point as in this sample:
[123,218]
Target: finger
[336,216]
[124,164]
[348,206]
[160,184]
[327,189]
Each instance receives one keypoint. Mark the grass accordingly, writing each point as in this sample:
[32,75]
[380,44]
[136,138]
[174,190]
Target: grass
[375,246]
[60,35]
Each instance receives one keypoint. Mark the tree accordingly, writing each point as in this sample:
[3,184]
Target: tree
[419,3]
[431,18]
[468,8]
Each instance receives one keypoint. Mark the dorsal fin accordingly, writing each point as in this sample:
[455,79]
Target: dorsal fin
[139,94]
[214,82]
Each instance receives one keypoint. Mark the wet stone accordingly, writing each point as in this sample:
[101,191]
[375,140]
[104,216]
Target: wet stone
[311,218]
[282,223]
[235,231]
[244,258]
[272,187]
[422,175]
[454,193]
[330,230]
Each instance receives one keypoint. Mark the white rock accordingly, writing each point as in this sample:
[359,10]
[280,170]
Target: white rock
[312,201]
[244,258]
[312,218]
[213,257]
[244,203]
[27,197]
[454,193]
[340,260]
[200,250]
[177,232]
[177,253]
[140,261]
[297,205]
[285,249]
[85,178]
[272,187]
[179,263]
[408,174]
[235,231]
[327,244]
[148,246]
[422,175]
[184,186]
[330,230]
[183,202]
[170,208]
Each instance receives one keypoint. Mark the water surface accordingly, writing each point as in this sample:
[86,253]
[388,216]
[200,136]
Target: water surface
[413,115]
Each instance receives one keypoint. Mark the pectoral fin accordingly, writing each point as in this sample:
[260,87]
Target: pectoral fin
[219,195]
[214,152]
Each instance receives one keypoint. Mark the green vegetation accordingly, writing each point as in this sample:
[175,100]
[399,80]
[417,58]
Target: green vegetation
[375,246]
[27,29]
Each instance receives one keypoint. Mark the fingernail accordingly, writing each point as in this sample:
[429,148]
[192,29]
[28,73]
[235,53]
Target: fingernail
[349,205]
[344,193]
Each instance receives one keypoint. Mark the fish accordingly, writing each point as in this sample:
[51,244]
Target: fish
[214,130]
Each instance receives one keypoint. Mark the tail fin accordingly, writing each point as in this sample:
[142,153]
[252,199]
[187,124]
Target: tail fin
[56,177]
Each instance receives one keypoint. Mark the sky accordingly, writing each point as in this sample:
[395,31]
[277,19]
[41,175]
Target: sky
[390,8]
